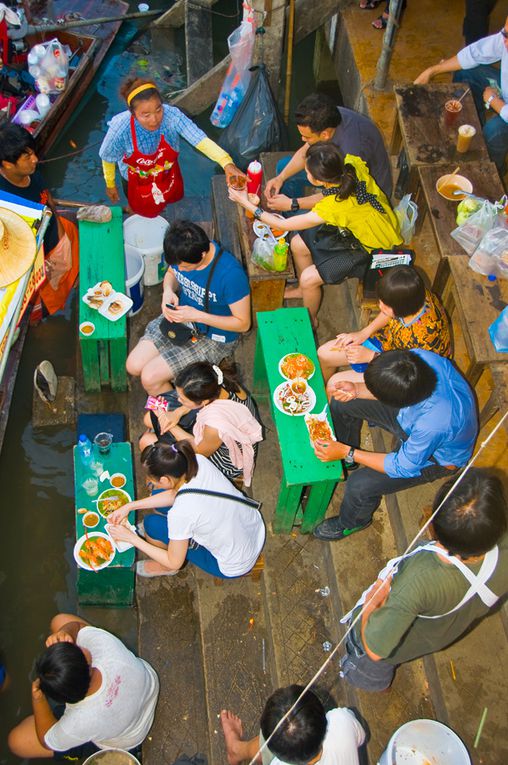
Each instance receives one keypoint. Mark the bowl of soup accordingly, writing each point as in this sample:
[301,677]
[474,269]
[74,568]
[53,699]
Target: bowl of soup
[118,480]
[446,185]
[87,328]
[90,519]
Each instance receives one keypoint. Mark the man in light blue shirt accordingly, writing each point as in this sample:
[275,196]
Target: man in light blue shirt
[473,64]
[422,399]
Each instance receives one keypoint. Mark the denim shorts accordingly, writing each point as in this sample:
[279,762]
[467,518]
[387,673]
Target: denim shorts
[362,671]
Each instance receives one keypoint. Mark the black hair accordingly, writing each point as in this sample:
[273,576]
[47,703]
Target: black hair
[63,673]
[403,290]
[324,162]
[317,112]
[133,82]
[185,242]
[400,378]
[473,518]
[199,380]
[14,142]
[300,738]
[174,460]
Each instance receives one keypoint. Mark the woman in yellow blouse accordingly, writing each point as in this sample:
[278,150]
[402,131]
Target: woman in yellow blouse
[339,233]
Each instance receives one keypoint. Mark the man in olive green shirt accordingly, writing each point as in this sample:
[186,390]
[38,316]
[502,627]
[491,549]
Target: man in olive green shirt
[426,600]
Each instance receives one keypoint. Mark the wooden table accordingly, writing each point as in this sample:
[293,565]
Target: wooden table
[267,287]
[486,183]
[113,585]
[103,353]
[478,303]
[288,330]
[420,129]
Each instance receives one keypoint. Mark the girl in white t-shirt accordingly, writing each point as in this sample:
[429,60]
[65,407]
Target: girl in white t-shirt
[222,535]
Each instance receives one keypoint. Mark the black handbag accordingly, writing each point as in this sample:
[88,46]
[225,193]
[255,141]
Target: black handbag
[178,333]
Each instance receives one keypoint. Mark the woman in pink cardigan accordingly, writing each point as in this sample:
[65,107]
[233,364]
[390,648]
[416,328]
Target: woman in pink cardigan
[226,429]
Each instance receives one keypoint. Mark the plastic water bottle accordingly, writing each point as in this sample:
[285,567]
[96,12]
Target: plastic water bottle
[499,331]
[85,450]
[280,255]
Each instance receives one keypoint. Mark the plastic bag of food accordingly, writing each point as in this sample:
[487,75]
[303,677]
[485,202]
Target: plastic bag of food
[236,82]
[49,66]
[491,255]
[257,126]
[470,233]
[262,254]
[407,214]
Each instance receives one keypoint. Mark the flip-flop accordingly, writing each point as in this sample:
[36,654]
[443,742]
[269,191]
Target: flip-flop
[141,571]
[370,5]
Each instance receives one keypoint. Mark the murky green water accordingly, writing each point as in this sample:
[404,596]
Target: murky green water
[37,571]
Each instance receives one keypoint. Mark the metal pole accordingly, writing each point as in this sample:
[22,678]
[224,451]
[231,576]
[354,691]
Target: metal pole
[383,63]
[34,29]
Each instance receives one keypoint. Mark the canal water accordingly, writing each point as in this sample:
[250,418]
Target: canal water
[37,570]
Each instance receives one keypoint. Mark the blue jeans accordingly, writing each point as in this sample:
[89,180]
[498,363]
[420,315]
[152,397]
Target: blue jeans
[156,526]
[495,131]
[295,186]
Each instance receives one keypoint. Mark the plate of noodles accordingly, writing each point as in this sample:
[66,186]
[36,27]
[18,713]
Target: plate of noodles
[294,365]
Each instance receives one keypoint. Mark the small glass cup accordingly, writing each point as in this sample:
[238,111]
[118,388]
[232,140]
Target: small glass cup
[103,442]
[452,109]
[97,467]
[465,135]
[238,182]
[91,486]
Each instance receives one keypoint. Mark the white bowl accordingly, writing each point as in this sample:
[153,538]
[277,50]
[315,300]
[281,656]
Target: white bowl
[447,184]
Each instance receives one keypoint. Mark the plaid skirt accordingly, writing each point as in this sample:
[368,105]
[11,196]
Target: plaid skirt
[178,357]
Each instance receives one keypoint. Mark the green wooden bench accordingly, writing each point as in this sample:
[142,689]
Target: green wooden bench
[113,585]
[283,331]
[102,258]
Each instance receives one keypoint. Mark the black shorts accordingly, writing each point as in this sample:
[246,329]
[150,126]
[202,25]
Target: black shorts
[336,253]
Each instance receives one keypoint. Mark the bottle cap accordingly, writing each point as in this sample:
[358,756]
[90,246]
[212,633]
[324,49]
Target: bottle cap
[492,277]
[83,437]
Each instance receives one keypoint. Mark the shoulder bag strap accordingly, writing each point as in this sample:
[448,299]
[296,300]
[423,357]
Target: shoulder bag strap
[244,500]
[212,269]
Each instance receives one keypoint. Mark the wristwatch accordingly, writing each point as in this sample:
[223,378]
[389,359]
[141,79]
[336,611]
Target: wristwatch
[350,456]
[489,101]
[295,205]
[258,212]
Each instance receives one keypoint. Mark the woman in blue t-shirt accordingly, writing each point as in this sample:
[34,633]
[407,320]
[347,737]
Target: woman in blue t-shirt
[200,273]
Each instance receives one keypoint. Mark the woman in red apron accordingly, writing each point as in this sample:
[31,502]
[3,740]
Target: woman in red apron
[144,141]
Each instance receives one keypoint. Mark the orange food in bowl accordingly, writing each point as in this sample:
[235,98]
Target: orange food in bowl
[118,481]
[90,520]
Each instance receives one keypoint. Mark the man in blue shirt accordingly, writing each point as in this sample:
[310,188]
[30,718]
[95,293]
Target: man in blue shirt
[205,287]
[423,400]
[474,64]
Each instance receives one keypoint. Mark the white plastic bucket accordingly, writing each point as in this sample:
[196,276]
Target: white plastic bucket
[146,235]
[425,741]
[134,270]
[97,757]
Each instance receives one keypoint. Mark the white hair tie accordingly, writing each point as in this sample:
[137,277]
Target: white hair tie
[218,372]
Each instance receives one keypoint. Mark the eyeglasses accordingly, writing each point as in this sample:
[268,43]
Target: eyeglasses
[504,33]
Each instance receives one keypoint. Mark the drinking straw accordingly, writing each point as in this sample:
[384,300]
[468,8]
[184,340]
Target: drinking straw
[452,668]
[480,727]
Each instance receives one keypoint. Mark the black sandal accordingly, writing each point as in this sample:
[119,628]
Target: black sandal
[370,5]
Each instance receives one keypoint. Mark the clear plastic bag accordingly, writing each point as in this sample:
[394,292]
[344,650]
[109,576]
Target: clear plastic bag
[491,255]
[49,65]
[262,254]
[407,214]
[236,82]
[470,233]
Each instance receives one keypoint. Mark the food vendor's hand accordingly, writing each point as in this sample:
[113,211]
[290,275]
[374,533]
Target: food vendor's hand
[117,516]
[241,197]
[232,169]
[345,391]
[357,354]
[37,694]
[347,338]
[121,533]
[279,202]
[273,187]
[112,194]
[488,92]
[328,451]
[59,637]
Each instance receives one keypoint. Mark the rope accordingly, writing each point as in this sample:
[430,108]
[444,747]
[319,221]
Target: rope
[70,153]
[375,592]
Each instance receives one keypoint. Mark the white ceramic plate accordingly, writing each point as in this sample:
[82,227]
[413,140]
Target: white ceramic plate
[91,535]
[295,353]
[117,297]
[306,406]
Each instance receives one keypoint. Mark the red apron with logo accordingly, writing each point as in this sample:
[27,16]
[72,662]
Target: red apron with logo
[154,180]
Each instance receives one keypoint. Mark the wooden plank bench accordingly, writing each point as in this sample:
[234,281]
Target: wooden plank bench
[103,353]
[225,229]
[288,330]
[113,585]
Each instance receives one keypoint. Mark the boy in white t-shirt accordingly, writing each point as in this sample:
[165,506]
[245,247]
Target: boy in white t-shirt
[102,695]
[309,735]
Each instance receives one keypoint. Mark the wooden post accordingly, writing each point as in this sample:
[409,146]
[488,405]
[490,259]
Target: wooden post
[198,39]
[270,46]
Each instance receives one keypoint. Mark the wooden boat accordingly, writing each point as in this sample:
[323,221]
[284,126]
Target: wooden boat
[90,44]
